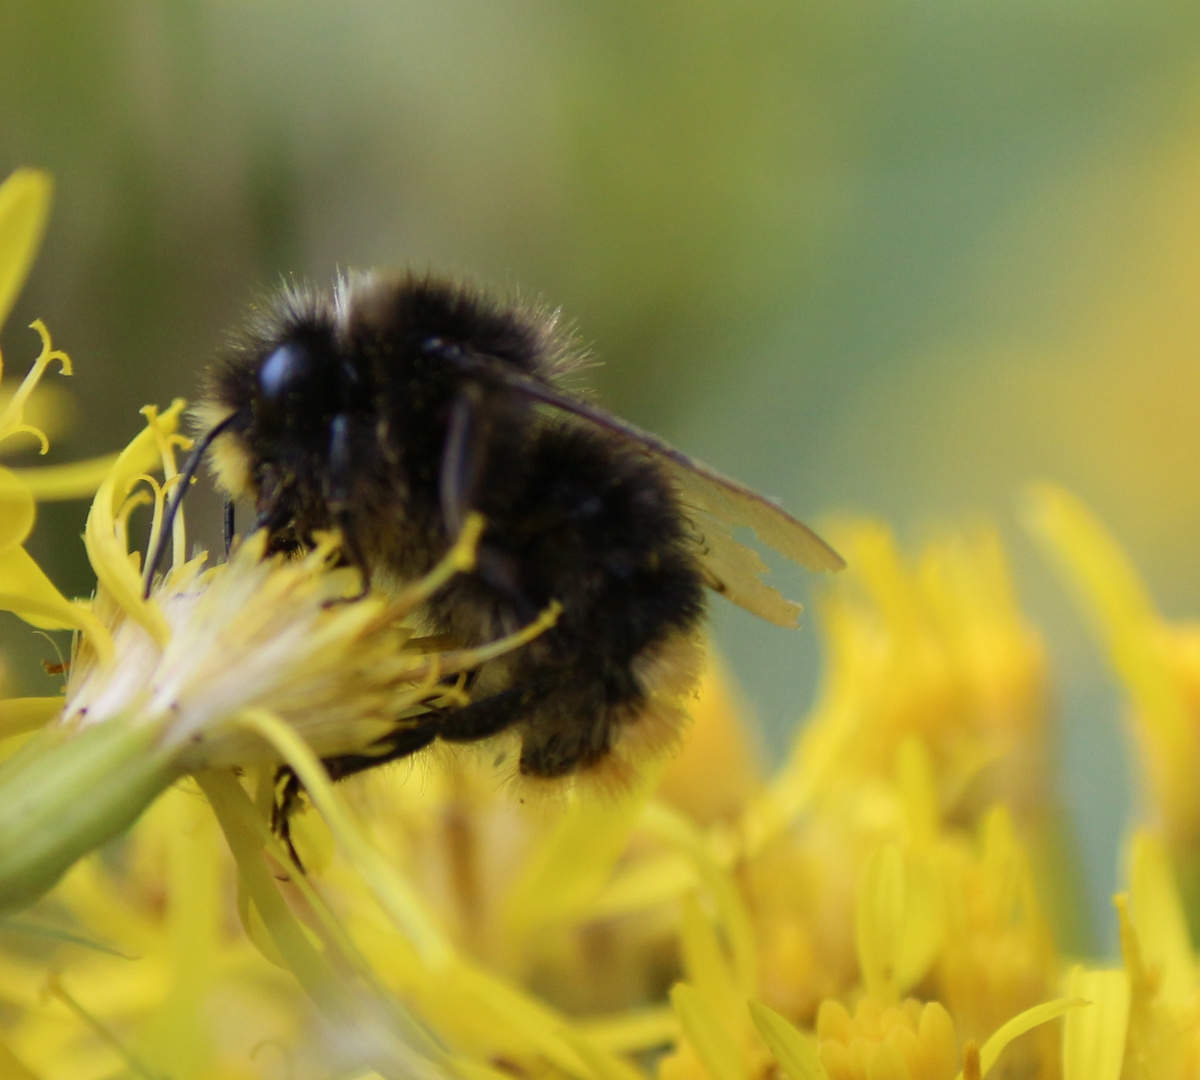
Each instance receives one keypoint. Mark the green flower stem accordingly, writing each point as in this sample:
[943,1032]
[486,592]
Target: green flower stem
[65,792]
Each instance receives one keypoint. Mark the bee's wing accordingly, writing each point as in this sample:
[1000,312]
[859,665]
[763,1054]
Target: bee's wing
[717,502]
[735,571]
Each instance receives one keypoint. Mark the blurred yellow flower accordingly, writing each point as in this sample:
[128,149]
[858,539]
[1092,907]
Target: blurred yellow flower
[910,1040]
[1157,660]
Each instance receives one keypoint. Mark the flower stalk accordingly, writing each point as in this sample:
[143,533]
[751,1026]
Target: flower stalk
[65,792]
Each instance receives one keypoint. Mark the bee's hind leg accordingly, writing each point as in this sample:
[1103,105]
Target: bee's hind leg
[288,787]
[486,717]
[353,555]
[288,790]
[472,722]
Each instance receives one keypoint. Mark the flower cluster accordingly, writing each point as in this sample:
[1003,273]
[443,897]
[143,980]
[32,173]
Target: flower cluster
[883,906]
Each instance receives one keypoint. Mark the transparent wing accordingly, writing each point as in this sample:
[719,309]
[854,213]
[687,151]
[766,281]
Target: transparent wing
[735,571]
[713,500]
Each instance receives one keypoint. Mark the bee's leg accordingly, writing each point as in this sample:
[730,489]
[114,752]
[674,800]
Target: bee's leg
[502,572]
[288,790]
[480,719]
[229,522]
[340,495]
[488,716]
[288,787]
[352,552]
[462,459]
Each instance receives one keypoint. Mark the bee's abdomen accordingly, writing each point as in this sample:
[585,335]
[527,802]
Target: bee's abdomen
[597,528]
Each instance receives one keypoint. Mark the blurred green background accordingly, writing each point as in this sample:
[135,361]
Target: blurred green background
[888,258]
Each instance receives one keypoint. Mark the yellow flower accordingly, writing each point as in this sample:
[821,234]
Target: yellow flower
[1157,660]
[902,1041]
[937,650]
[24,589]
[1144,1020]
[998,957]
[933,704]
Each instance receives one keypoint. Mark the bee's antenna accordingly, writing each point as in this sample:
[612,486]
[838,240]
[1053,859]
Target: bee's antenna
[186,474]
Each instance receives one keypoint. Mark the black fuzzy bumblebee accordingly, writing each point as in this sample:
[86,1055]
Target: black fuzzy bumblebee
[396,406]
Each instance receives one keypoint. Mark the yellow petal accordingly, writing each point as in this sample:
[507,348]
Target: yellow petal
[74,481]
[1092,559]
[481,997]
[713,1043]
[630,1032]
[656,879]
[796,1054]
[899,922]
[16,509]
[103,537]
[24,208]
[11,1068]
[27,592]
[602,1064]
[1158,917]
[1094,1037]
[660,820]
[1124,617]
[1020,1024]
[573,861]
[19,715]
[704,960]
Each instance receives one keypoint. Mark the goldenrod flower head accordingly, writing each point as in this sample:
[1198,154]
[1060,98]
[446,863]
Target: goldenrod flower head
[998,956]
[910,1041]
[1147,1017]
[24,589]
[934,650]
[266,633]
[934,704]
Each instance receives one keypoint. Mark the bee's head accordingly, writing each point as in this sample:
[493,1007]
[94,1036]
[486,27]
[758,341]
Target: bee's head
[277,391]
[297,393]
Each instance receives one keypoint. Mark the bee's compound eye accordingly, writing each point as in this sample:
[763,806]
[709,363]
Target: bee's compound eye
[281,372]
[297,385]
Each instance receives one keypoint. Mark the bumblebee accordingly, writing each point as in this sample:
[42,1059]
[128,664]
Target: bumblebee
[394,406]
